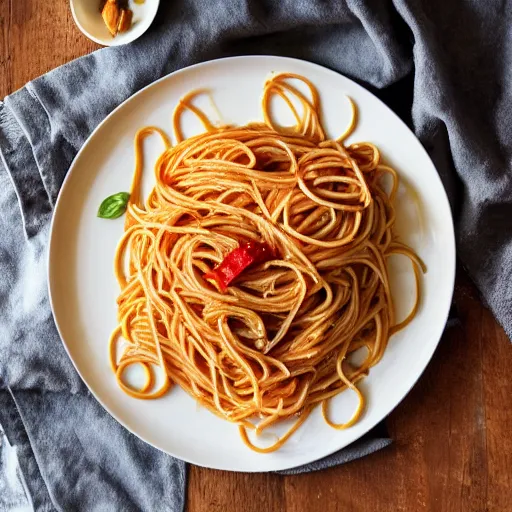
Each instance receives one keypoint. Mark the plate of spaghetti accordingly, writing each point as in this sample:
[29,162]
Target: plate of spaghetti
[251,263]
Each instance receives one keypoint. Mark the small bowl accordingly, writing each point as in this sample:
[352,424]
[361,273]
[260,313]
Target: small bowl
[87,16]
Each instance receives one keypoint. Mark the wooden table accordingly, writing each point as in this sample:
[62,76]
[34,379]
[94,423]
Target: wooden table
[451,450]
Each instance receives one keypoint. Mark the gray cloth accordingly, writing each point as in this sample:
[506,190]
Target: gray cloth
[444,66]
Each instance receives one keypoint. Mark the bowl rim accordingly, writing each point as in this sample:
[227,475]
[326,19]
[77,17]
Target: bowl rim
[112,42]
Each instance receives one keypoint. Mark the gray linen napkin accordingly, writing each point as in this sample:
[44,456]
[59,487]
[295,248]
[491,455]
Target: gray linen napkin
[444,66]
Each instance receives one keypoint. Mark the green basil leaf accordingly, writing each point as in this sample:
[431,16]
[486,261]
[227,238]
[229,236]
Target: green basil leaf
[114,206]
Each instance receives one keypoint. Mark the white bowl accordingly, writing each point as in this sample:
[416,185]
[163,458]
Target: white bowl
[87,16]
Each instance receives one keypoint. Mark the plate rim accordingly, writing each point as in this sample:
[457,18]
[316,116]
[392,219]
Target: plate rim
[174,74]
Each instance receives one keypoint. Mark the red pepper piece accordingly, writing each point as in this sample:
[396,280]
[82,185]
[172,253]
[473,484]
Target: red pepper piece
[237,261]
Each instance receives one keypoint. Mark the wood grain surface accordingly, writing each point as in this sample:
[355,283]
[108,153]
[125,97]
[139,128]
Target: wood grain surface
[453,434]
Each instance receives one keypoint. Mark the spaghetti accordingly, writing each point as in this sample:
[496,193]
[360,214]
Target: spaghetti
[277,340]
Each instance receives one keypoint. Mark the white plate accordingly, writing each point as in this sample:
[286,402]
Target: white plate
[83,289]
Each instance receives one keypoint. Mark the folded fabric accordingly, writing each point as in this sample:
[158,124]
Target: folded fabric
[443,66]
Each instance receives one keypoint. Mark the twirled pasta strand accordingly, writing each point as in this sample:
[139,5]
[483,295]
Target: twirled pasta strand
[277,342]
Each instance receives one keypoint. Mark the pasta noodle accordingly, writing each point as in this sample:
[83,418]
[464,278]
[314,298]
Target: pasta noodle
[277,341]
